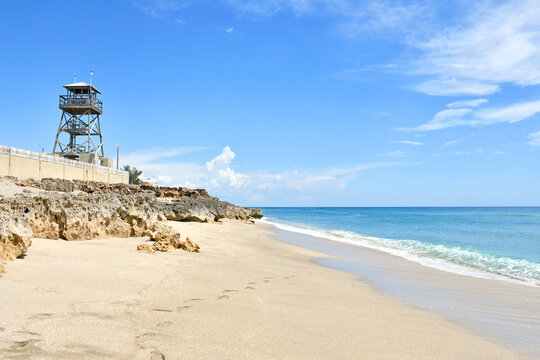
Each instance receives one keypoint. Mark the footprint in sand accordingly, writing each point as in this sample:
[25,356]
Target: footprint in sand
[157,355]
[228,291]
[163,324]
[25,332]
[40,316]
[162,310]
[184,307]
[223,297]
[140,340]
[23,344]
[252,283]
[194,299]
[250,288]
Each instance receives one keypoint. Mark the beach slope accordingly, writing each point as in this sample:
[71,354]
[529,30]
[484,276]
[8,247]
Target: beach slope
[245,296]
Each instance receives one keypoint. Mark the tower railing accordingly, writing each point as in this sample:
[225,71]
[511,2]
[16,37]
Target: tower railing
[79,100]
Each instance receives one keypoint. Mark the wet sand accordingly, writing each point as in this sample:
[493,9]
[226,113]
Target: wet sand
[245,296]
[508,312]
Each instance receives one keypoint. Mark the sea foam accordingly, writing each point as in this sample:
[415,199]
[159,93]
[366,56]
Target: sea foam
[464,261]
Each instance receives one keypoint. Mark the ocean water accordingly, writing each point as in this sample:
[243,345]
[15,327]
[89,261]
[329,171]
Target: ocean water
[501,243]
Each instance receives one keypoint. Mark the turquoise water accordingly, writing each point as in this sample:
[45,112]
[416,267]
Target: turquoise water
[485,242]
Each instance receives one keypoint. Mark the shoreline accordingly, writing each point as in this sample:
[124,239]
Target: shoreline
[246,295]
[478,303]
[430,262]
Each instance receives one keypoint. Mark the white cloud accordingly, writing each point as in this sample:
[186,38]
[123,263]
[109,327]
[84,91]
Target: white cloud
[353,17]
[455,141]
[497,44]
[397,153]
[264,8]
[535,139]
[229,30]
[452,142]
[335,178]
[466,152]
[219,170]
[487,116]
[456,87]
[467,103]
[360,17]
[158,8]
[409,142]
[442,120]
[510,114]
[152,155]
[218,176]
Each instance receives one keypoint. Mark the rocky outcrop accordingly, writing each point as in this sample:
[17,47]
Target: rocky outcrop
[204,210]
[15,235]
[190,246]
[84,216]
[94,187]
[166,238]
[77,210]
[146,248]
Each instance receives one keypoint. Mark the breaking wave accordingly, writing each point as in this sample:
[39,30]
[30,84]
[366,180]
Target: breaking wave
[464,261]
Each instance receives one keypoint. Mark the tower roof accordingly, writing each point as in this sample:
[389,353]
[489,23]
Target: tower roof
[81,85]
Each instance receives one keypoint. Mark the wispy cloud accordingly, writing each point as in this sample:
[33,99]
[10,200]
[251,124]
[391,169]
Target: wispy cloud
[397,153]
[353,17]
[265,8]
[394,16]
[498,43]
[467,117]
[156,154]
[159,8]
[218,174]
[408,142]
[455,141]
[510,114]
[467,103]
[535,139]
[469,152]
[442,120]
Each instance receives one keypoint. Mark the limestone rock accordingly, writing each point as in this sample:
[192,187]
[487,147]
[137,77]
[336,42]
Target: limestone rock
[166,234]
[190,246]
[83,210]
[92,187]
[242,213]
[166,238]
[163,246]
[15,235]
[146,248]
[204,210]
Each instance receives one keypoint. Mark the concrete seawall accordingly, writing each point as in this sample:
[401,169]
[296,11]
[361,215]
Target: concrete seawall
[25,164]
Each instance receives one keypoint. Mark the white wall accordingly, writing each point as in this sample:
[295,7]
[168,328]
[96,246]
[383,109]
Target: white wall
[25,164]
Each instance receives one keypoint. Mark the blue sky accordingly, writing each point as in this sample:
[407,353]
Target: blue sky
[293,102]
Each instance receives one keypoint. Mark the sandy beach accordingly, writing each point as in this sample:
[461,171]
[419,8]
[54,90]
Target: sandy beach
[245,296]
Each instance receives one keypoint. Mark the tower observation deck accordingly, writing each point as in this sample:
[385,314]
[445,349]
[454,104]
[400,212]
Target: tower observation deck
[79,133]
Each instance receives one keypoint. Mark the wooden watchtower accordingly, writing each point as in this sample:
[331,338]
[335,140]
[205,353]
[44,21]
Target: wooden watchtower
[79,133]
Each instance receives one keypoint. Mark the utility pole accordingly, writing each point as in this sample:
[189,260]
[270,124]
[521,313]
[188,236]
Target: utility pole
[117,156]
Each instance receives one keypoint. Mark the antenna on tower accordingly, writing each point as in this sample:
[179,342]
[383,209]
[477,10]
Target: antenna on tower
[91,75]
[75,75]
